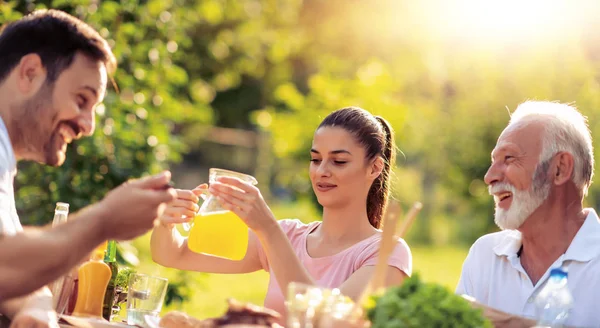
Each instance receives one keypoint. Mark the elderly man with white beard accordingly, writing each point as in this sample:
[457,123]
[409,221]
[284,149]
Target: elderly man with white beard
[542,167]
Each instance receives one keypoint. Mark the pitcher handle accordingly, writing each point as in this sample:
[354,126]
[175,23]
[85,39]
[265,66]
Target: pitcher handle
[204,195]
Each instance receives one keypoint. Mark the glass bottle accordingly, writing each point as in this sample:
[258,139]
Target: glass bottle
[62,287]
[111,260]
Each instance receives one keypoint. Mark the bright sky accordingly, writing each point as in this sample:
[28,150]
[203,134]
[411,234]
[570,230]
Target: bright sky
[497,20]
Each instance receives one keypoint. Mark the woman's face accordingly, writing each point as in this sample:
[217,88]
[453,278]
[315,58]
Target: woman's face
[339,171]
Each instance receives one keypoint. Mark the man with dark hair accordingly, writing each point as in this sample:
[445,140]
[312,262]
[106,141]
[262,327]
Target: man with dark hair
[53,73]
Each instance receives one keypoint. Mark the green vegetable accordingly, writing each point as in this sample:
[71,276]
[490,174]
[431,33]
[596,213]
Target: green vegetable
[123,277]
[419,304]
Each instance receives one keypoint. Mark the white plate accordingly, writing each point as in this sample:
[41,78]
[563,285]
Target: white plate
[81,322]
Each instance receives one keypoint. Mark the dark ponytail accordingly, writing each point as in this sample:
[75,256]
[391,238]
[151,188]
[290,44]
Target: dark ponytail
[377,136]
[380,189]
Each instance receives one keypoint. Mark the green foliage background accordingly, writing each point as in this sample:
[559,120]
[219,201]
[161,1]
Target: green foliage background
[279,66]
[136,126]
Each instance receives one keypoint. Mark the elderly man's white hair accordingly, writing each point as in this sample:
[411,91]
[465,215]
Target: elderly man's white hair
[565,129]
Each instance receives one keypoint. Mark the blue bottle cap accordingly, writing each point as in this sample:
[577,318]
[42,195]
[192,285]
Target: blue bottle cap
[558,272]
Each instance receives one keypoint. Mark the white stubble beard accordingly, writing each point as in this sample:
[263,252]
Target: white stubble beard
[524,202]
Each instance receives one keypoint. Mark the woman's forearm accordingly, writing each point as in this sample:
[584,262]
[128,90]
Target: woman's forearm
[281,256]
[165,244]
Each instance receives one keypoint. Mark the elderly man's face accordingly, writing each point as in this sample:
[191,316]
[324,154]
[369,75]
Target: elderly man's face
[515,178]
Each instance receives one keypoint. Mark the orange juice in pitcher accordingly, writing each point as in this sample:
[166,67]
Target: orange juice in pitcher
[217,231]
[222,234]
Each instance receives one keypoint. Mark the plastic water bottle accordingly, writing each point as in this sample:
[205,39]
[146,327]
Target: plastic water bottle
[554,301]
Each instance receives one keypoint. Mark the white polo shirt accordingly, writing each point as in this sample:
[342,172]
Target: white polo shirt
[9,220]
[493,275]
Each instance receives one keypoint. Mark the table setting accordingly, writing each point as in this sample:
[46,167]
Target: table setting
[414,303]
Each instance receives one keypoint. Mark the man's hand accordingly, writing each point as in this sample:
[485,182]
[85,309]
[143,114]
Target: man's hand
[36,312]
[133,208]
[127,212]
[499,318]
[35,318]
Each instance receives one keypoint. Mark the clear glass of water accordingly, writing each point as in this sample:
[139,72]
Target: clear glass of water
[145,297]
[311,307]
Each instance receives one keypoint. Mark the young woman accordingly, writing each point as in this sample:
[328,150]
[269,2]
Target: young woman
[351,158]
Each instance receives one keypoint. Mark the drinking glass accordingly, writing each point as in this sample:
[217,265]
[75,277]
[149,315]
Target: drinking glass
[145,297]
[311,306]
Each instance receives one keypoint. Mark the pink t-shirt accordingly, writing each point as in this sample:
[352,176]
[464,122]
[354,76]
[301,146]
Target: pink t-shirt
[330,271]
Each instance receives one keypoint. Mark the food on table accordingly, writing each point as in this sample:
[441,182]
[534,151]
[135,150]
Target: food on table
[238,315]
[420,304]
[316,306]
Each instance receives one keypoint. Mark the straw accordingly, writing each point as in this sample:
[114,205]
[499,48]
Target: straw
[390,220]
[387,245]
[390,235]
[410,218]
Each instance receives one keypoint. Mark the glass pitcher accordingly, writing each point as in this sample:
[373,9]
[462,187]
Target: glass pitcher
[215,230]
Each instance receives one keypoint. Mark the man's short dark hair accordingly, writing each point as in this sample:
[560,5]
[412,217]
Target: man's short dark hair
[56,37]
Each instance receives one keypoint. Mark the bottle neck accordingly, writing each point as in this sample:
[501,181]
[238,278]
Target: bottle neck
[62,207]
[99,252]
[61,214]
[111,252]
[558,280]
[97,256]
[60,217]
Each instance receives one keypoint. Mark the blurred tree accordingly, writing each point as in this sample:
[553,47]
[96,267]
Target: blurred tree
[136,123]
[280,66]
[446,92]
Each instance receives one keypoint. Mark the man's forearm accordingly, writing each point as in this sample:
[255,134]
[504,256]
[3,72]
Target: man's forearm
[34,258]
[41,298]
